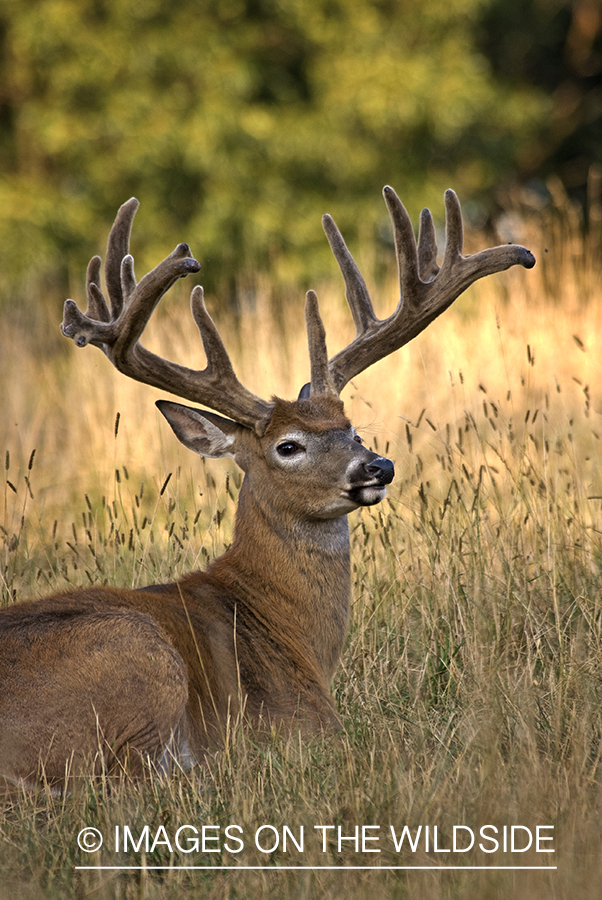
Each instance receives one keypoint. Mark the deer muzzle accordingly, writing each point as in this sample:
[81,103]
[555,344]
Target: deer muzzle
[381,469]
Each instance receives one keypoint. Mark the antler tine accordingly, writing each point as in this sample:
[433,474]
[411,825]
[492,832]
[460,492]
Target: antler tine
[118,333]
[97,305]
[464,270]
[318,354]
[227,393]
[454,230]
[425,289]
[357,294]
[406,250]
[427,247]
[119,268]
[118,247]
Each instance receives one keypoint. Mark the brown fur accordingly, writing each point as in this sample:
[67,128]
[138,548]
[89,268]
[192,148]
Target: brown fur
[321,413]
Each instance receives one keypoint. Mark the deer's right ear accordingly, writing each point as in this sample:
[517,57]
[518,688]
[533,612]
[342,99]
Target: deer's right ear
[204,433]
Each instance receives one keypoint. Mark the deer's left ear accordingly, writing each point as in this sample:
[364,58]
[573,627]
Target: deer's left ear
[204,433]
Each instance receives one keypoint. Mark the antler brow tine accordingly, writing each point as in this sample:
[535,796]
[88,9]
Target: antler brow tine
[318,354]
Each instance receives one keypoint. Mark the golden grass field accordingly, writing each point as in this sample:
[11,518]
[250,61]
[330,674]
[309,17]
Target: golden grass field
[471,684]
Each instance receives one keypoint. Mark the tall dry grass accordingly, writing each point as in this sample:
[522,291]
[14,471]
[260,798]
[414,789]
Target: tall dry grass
[471,682]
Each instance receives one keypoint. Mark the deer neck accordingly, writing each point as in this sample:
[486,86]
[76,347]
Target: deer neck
[293,572]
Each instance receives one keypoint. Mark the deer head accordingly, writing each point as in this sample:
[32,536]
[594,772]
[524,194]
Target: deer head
[284,435]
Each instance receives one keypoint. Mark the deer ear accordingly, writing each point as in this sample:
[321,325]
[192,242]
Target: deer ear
[204,433]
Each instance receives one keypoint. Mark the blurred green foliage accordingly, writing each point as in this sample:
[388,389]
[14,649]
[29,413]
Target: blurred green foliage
[237,123]
[556,47]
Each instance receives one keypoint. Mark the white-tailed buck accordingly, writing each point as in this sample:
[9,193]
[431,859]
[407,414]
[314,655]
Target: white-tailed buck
[155,673]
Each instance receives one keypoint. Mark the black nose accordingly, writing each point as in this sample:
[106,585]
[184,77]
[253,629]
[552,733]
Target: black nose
[382,469]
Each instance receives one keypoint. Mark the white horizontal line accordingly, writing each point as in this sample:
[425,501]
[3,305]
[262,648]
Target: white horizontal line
[338,868]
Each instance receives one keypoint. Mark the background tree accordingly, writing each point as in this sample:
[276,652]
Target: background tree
[238,122]
[554,46]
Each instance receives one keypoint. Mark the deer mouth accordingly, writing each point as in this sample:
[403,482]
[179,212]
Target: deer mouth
[368,485]
[366,494]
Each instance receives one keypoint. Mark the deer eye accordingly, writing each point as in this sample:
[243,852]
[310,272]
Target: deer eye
[288,448]
[357,439]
